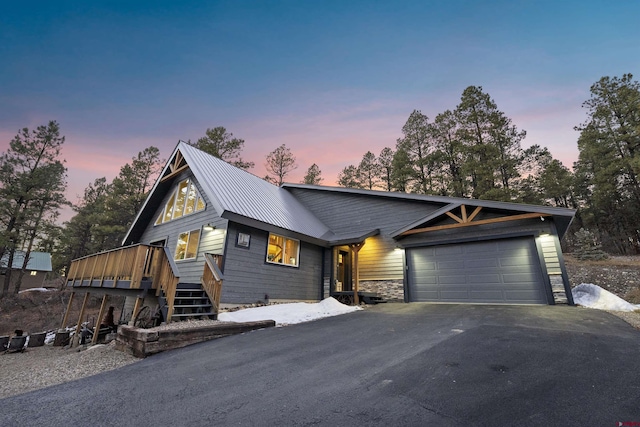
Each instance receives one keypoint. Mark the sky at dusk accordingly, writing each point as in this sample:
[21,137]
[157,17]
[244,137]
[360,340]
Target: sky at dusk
[330,79]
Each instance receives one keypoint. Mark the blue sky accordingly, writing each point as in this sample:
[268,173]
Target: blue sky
[330,79]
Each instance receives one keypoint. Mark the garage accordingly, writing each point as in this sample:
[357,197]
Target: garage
[502,271]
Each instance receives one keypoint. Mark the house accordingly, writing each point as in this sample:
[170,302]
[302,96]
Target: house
[38,265]
[205,221]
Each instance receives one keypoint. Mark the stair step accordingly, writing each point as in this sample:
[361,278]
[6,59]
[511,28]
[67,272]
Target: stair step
[192,306]
[192,314]
[204,297]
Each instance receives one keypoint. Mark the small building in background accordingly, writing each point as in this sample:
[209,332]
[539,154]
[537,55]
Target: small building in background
[38,265]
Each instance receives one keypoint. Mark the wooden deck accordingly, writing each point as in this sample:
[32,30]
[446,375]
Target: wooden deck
[142,267]
[130,267]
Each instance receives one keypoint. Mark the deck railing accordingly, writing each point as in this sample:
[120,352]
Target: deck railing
[167,276]
[212,280]
[133,264]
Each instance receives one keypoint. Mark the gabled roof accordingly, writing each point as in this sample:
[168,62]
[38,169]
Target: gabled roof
[242,197]
[238,195]
[38,261]
[562,216]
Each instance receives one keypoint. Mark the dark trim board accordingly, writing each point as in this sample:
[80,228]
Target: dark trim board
[497,271]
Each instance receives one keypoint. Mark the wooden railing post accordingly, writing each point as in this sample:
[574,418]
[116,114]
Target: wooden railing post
[138,266]
[212,280]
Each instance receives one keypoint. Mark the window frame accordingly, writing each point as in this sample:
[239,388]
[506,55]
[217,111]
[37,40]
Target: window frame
[187,245]
[284,250]
[168,212]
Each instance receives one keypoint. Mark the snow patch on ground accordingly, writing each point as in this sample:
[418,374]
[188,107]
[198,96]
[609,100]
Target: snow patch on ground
[289,314]
[35,290]
[593,296]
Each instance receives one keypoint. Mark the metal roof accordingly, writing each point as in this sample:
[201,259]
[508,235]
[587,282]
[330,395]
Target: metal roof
[562,216]
[235,190]
[39,261]
[242,197]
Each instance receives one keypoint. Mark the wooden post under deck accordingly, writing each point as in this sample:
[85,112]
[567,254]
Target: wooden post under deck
[96,328]
[136,308]
[76,336]
[66,313]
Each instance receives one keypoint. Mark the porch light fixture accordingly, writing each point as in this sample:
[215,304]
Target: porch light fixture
[209,227]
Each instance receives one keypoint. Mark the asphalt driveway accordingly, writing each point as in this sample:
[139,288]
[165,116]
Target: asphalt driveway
[392,364]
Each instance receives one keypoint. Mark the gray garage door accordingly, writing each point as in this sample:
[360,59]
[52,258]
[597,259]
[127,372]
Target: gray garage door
[505,271]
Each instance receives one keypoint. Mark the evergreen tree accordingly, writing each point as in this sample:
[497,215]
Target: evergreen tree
[385,164]
[369,171]
[492,145]
[313,175]
[418,146]
[221,144]
[402,170]
[450,153]
[32,185]
[609,162]
[349,177]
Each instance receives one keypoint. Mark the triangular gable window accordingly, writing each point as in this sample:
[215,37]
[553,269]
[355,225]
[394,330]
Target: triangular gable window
[185,200]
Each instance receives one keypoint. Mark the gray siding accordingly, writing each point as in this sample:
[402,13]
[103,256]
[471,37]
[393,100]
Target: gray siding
[211,241]
[356,213]
[248,277]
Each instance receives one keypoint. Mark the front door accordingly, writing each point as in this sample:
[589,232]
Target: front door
[344,271]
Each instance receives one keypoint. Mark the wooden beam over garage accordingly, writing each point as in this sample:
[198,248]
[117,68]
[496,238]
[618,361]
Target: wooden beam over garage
[472,223]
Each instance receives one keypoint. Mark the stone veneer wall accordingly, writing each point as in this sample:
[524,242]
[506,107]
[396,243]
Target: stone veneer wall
[390,290]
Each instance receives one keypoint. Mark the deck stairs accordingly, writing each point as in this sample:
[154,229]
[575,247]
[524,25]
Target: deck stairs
[190,303]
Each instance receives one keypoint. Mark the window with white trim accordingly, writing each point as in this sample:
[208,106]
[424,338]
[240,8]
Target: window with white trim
[187,246]
[282,250]
[185,200]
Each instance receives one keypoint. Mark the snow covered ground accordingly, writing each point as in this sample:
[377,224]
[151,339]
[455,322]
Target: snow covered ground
[593,296]
[289,314]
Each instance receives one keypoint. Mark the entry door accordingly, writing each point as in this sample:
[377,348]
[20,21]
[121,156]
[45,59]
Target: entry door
[344,270]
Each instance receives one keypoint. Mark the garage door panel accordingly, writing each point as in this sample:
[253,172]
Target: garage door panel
[517,261]
[448,265]
[480,263]
[486,247]
[449,279]
[501,271]
[485,296]
[517,278]
[480,279]
[447,250]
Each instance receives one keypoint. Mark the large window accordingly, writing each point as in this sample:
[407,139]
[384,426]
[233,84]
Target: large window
[187,247]
[185,200]
[282,250]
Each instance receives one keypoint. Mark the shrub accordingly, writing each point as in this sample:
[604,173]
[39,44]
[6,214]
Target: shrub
[588,246]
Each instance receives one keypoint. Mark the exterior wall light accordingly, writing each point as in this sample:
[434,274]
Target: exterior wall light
[209,227]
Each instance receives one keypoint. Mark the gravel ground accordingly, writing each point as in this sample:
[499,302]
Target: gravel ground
[39,367]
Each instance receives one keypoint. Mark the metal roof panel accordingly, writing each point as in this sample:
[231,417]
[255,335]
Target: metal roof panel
[238,191]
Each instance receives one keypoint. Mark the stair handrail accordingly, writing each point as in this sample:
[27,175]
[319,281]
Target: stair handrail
[168,276]
[212,282]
